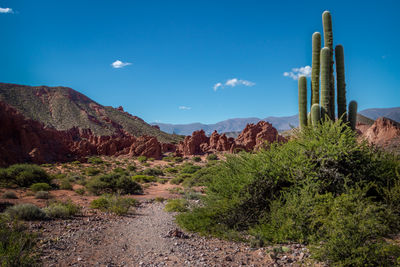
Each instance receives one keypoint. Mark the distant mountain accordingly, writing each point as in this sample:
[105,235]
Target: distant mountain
[374,113]
[234,126]
[63,108]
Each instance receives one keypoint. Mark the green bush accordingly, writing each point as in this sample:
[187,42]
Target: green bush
[62,210]
[190,168]
[176,205]
[113,203]
[95,160]
[80,191]
[65,185]
[144,179]
[42,195]
[173,159]
[196,159]
[9,195]
[171,170]
[24,175]
[131,167]
[323,187]
[153,172]
[27,212]
[40,187]
[199,178]
[180,178]
[92,171]
[212,157]
[113,183]
[16,244]
[142,159]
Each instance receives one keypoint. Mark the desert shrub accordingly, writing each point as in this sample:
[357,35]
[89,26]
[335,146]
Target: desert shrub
[119,170]
[190,168]
[65,185]
[196,159]
[113,203]
[9,195]
[159,199]
[40,187]
[42,195]
[153,172]
[323,187]
[162,180]
[76,162]
[62,210]
[80,191]
[92,171]
[180,178]
[16,244]
[199,178]
[142,159]
[144,179]
[171,170]
[95,160]
[24,175]
[212,157]
[131,167]
[27,212]
[113,183]
[176,205]
[151,159]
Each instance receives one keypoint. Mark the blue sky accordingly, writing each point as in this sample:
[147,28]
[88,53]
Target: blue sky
[179,51]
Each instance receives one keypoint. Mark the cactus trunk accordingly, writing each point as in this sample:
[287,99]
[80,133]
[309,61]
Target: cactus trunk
[316,50]
[328,42]
[341,85]
[315,114]
[302,101]
[326,100]
[353,114]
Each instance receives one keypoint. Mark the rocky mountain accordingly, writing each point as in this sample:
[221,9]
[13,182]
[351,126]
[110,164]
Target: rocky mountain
[234,126]
[63,108]
[375,113]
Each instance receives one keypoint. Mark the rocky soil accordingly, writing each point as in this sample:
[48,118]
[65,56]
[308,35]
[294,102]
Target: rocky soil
[150,237]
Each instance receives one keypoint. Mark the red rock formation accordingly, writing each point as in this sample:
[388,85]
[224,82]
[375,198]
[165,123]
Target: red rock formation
[255,135]
[252,137]
[25,140]
[384,133]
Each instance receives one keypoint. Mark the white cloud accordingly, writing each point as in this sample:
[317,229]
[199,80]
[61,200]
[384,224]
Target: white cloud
[6,10]
[184,108]
[297,72]
[232,83]
[119,64]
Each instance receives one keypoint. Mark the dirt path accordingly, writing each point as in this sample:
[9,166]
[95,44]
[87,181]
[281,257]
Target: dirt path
[149,238]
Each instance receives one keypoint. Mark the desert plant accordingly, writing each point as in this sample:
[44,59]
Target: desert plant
[80,191]
[144,179]
[25,175]
[62,210]
[153,172]
[40,187]
[27,212]
[176,205]
[113,203]
[142,159]
[9,195]
[113,183]
[92,171]
[212,157]
[42,195]
[302,101]
[95,160]
[65,185]
[196,159]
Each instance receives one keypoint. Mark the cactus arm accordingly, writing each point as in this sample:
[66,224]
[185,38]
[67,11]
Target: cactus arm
[302,101]
[315,114]
[316,50]
[341,85]
[353,114]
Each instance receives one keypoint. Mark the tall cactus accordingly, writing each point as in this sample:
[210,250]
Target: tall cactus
[316,49]
[328,42]
[302,101]
[326,99]
[353,114]
[341,85]
[315,114]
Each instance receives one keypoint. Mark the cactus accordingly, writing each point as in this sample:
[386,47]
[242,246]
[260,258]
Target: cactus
[315,114]
[303,101]
[316,50]
[353,114]
[309,118]
[326,100]
[341,85]
[328,42]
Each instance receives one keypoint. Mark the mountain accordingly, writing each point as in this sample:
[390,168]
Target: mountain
[234,126]
[375,113]
[63,108]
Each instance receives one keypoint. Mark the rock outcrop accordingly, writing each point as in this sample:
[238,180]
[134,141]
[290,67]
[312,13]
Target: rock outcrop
[252,137]
[384,133]
[26,140]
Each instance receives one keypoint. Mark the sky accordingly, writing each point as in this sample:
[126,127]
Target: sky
[197,61]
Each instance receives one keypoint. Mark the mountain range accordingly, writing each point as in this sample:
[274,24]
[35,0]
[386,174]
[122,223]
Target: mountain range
[233,126]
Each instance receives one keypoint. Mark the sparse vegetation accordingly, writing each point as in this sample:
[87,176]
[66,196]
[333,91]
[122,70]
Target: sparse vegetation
[142,159]
[62,210]
[196,159]
[92,171]
[113,203]
[42,195]
[176,205]
[9,195]
[40,187]
[23,175]
[212,157]
[95,160]
[65,185]
[144,179]
[113,183]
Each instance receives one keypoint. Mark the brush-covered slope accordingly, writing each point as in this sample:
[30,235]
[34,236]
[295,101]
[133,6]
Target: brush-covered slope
[63,108]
